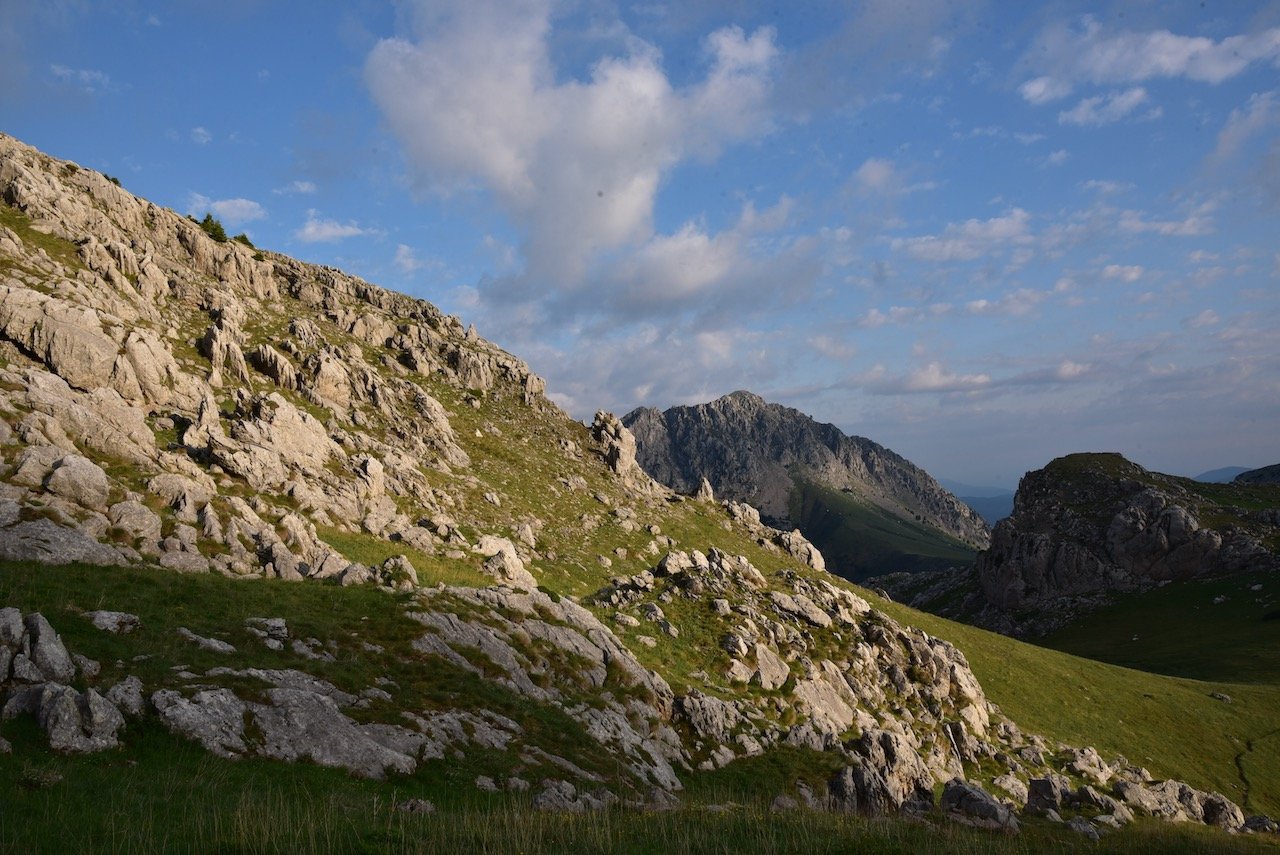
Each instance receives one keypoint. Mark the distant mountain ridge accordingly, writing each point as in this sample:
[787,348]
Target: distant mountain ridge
[1223,475]
[797,470]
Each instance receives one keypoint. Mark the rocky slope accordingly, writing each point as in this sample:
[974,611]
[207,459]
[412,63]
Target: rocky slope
[765,454]
[170,401]
[1089,526]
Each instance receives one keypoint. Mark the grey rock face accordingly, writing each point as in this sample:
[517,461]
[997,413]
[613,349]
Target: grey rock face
[887,775]
[976,803]
[47,542]
[749,450]
[1088,525]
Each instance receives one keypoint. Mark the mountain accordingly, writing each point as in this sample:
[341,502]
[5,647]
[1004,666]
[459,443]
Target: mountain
[1088,528]
[1221,476]
[289,561]
[991,508]
[868,509]
[1265,475]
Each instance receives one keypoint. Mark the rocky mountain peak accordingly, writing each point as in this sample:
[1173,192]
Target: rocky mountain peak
[758,452]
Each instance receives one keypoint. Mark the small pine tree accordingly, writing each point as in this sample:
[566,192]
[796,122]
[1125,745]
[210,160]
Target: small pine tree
[213,228]
[244,239]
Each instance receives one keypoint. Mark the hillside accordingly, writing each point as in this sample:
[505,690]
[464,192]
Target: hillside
[260,511]
[868,509]
[1094,541]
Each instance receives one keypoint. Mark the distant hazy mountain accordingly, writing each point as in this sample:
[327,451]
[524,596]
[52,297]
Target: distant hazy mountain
[959,488]
[992,508]
[1225,475]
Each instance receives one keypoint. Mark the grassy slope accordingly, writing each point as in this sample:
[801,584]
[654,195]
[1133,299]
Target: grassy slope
[162,793]
[1180,630]
[1170,725]
[859,539]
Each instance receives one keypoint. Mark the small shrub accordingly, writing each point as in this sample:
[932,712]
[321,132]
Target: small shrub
[112,179]
[244,239]
[213,228]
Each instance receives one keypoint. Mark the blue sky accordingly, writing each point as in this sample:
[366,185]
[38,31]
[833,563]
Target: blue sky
[984,235]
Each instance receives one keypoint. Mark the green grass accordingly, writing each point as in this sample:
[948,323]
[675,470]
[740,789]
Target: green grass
[1179,630]
[859,539]
[162,794]
[1170,725]
[59,249]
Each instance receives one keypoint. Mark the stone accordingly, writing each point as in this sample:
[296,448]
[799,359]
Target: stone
[127,697]
[116,623]
[1083,827]
[213,717]
[978,805]
[47,542]
[420,806]
[887,775]
[503,563]
[771,671]
[136,520]
[48,653]
[80,480]
[79,723]
[213,645]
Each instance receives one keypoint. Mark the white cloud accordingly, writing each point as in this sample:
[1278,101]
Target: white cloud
[232,211]
[475,98]
[317,230]
[1123,272]
[200,136]
[1057,158]
[304,188]
[1103,110]
[406,261]
[1067,56]
[1261,113]
[87,80]
[1206,318]
[1014,304]
[971,239]
[934,378]
[877,174]
[1198,223]
[1042,90]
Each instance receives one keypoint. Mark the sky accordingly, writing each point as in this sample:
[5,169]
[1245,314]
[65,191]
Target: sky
[982,234]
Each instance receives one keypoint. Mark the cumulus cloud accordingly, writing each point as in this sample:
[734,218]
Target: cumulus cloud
[475,100]
[318,230]
[971,239]
[231,211]
[200,136]
[1089,53]
[1104,109]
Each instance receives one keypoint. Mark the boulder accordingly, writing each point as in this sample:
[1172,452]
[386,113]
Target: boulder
[975,803]
[80,480]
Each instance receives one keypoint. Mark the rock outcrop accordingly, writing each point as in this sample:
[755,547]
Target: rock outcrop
[1090,525]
